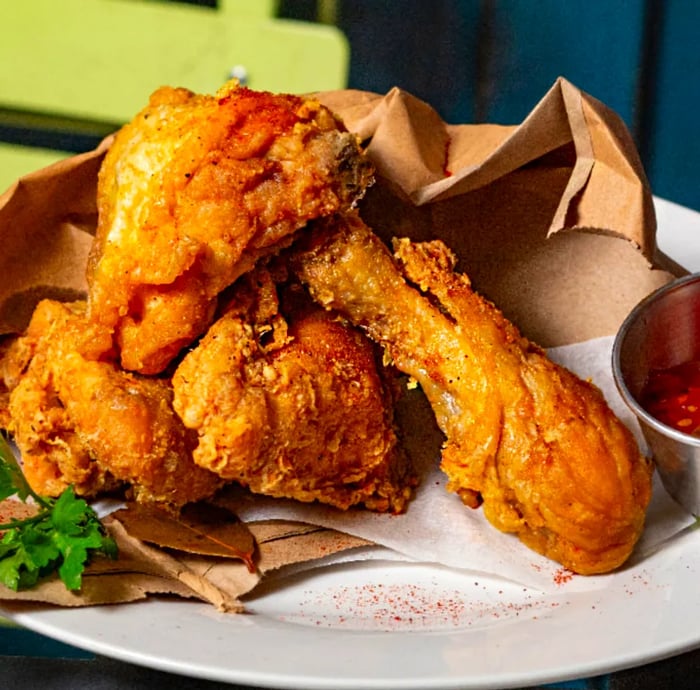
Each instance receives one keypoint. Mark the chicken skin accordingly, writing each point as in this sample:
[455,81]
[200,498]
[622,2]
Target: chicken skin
[538,447]
[289,401]
[78,419]
[192,192]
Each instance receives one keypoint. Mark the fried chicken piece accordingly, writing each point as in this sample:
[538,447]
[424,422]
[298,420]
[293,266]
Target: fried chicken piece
[289,401]
[79,419]
[195,189]
[9,374]
[539,446]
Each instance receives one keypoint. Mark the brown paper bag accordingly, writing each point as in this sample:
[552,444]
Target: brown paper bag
[552,219]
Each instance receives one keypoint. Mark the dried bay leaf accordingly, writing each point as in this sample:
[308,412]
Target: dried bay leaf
[200,528]
[152,560]
[282,543]
[100,589]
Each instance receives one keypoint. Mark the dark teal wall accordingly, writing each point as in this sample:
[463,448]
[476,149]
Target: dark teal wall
[491,60]
[596,45]
[673,155]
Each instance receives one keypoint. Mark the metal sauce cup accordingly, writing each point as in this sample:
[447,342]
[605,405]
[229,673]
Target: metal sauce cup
[663,330]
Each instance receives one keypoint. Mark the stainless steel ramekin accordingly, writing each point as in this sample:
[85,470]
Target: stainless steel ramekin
[663,330]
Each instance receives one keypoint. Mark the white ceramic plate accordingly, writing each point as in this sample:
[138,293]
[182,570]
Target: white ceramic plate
[376,625]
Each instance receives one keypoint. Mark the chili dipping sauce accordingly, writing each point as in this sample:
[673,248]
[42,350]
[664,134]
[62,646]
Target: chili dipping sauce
[673,396]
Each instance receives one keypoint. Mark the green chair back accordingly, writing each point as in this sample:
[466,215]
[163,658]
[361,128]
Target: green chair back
[94,63]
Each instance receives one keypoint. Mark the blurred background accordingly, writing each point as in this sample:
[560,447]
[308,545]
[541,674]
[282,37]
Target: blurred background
[472,60]
[492,60]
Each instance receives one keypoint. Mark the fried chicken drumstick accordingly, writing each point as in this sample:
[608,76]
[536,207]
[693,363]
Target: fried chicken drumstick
[290,401]
[79,419]
[192,191]
[537,445]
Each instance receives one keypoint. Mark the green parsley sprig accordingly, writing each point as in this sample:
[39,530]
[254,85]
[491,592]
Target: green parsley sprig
[62,536]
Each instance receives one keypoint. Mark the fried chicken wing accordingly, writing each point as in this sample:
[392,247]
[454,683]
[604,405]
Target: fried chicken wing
[537,445]
[196,188]
[289,401]
[79,419]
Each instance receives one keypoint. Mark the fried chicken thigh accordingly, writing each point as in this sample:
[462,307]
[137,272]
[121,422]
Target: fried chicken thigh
[79,419]
[196,188]
[288,400]
[537,445]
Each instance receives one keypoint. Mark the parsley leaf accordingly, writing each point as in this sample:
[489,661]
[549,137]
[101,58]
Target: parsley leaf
[62,536]
[12,480]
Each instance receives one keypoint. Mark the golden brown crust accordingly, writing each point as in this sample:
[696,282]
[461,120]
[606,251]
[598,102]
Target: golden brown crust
[293,406]
[537,445]
[192,192]
[79,419]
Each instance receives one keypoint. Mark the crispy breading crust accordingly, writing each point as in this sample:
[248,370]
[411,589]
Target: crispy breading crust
[293,404]
[537,445]
[192,192]
[79,419]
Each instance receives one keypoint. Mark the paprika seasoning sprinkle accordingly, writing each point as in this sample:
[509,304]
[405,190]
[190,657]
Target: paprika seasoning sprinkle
[672,395]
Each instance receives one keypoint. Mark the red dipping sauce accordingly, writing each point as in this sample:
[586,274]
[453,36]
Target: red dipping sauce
[673,396]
